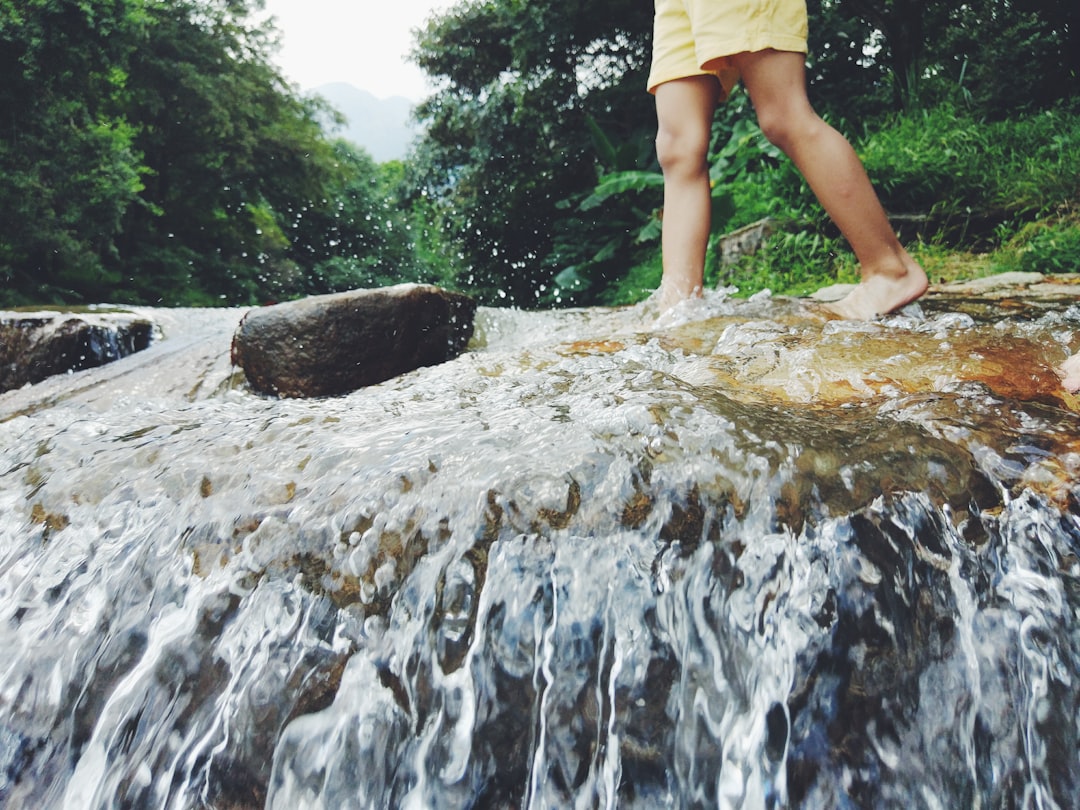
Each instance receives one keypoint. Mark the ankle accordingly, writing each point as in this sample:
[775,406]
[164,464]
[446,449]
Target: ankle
[683,285]
[896,266]
[672,291]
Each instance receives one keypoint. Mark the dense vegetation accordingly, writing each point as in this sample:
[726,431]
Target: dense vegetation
[151,153]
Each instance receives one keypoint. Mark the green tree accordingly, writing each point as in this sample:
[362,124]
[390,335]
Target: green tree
[507,143]
[1010,56]
[235,157]
[363,237]
[1000,57]
[69,164]
[150,152]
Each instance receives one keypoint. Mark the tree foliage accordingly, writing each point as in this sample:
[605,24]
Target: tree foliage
[1000,57]
[150,152]
[69,165]
[507,141]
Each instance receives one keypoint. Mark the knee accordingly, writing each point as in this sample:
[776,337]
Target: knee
[681,152]
[783,128]
[777,128]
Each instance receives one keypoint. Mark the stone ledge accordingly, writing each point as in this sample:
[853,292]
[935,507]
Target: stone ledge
[38,345]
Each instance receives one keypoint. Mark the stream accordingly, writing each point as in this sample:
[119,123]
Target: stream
[744,556]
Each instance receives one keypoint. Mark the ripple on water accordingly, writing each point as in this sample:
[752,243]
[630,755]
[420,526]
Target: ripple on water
[745,555]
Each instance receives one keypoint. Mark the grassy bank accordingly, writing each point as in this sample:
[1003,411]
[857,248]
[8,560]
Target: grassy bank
[991,197]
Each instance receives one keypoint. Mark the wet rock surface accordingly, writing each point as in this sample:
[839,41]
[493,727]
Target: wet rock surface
[752,557]
[332,344]
[38,345]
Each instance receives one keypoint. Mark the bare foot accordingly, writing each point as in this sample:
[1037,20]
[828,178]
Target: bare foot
[880,294]
[1070,373]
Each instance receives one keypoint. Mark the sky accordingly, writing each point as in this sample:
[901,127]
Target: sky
[362,42]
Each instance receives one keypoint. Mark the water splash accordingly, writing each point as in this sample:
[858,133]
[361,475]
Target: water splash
[749,557]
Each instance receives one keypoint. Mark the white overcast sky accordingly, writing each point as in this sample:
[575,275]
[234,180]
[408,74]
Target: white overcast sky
[362,42]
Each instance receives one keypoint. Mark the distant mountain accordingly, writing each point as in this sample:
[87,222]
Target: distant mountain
[381,126]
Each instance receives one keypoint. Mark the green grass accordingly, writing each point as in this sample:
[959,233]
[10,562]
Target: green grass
[1044,247]
[940,162]
[637,285]
[943,161]
[798,263]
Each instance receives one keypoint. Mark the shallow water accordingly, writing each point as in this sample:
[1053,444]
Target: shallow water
[744,557]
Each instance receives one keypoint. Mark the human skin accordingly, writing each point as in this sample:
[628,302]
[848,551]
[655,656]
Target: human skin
[776,83]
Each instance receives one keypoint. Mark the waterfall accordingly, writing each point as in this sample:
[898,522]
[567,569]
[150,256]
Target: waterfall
[743,557]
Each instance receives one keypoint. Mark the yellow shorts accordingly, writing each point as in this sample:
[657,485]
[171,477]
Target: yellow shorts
[696,37]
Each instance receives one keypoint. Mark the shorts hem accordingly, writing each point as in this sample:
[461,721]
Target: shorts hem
[709,50]
[718,53]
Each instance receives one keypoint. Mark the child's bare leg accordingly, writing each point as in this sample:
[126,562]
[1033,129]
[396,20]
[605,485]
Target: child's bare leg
[684,112]
[890,277]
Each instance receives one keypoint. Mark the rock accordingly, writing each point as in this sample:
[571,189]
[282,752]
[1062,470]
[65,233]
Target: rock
[36,345]
[1000,283]
[332,344]
[746,240]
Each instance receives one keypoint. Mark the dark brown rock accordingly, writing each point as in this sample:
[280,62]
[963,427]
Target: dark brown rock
[331,344]
[37,345]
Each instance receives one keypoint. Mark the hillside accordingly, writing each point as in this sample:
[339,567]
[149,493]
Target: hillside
[381,126]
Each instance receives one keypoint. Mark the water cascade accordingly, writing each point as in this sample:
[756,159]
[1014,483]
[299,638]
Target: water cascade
[745,557]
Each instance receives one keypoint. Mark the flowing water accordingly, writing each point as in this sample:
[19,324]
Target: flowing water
[747,557]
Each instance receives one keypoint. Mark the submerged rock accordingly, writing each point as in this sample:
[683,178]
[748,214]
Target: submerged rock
[332,344]
[753,557]
[34,346]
